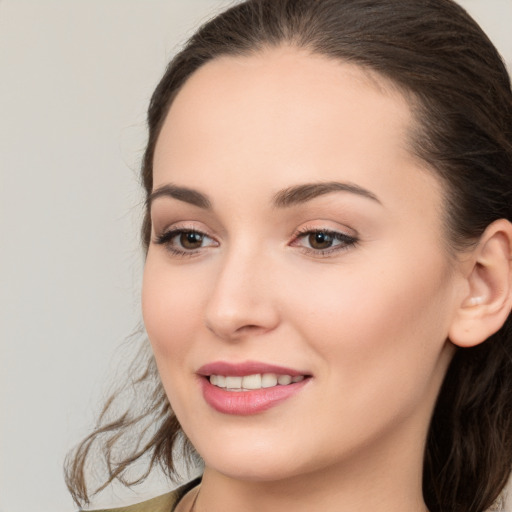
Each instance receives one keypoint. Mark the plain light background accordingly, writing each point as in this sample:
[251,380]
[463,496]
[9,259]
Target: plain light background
[75,80]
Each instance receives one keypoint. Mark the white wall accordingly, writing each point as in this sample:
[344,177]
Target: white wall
[75,79]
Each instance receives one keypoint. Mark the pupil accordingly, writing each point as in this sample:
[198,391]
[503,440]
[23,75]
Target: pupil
[320,240]
[191,240]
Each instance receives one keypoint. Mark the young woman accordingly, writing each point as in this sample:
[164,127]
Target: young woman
[328,279]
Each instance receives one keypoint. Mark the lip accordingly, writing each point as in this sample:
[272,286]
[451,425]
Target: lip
[245,368]
[244,403]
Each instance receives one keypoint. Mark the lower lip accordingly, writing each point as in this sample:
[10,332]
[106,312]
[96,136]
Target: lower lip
[244,403]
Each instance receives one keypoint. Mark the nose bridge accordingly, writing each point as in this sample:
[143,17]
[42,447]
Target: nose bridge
[242,298]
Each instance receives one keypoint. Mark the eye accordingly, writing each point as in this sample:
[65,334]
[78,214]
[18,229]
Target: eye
[190,239]
[323,241]
[320,240]
[185,241]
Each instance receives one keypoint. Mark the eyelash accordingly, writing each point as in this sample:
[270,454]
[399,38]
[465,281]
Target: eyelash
[346,241]
[166,238]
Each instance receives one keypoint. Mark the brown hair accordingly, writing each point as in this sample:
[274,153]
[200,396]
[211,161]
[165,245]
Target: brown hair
[461,96]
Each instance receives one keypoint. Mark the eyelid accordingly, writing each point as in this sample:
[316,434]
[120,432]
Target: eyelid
[324,226]
[195,226]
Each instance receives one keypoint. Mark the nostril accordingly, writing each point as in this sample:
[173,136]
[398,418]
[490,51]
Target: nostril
[249,328]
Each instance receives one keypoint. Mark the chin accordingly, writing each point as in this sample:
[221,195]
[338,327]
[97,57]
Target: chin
[250,460]
[268,470]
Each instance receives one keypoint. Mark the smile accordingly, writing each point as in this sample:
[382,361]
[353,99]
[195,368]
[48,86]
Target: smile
[250,387]
[255,381]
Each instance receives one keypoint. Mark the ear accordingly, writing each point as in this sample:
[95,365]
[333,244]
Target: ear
[488,297]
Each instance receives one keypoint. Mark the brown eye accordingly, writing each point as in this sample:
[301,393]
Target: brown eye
[185,242]
[191,240]
[323,242]
[320,240]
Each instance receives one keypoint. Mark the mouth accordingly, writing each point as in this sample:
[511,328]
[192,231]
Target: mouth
[248,388]
[254,381]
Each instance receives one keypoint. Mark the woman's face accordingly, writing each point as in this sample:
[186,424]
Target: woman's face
[295,236]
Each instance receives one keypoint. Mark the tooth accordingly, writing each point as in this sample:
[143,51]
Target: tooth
[252,381]
[213,379]
[234,382]
[284,380]
[221,381]
[268,380]
[298,378]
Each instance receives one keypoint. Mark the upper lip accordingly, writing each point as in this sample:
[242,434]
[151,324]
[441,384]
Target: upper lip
[245,368]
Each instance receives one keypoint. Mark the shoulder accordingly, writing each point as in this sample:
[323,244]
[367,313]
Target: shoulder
[164,503]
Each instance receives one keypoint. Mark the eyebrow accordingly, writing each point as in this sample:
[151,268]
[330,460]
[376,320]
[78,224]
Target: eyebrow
[285,198]
[187,195]
[302,193]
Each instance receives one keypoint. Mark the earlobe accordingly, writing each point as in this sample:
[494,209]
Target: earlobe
[488,302]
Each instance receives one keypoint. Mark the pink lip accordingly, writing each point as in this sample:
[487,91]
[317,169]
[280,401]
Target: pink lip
[246,368]
[244,403]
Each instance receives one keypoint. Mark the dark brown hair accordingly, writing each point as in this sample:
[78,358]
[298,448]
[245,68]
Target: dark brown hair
[459,90]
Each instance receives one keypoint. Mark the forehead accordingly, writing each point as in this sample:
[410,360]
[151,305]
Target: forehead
[285,116]
[283,84]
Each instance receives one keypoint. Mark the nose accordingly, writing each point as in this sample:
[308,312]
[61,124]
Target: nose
[243,301]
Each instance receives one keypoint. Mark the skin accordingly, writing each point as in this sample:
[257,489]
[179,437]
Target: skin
[369,321]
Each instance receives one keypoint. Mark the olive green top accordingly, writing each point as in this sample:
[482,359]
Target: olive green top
[168,502]
[164,503]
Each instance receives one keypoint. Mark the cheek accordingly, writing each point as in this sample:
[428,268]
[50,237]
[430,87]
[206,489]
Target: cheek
[170,310]
[378,330]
